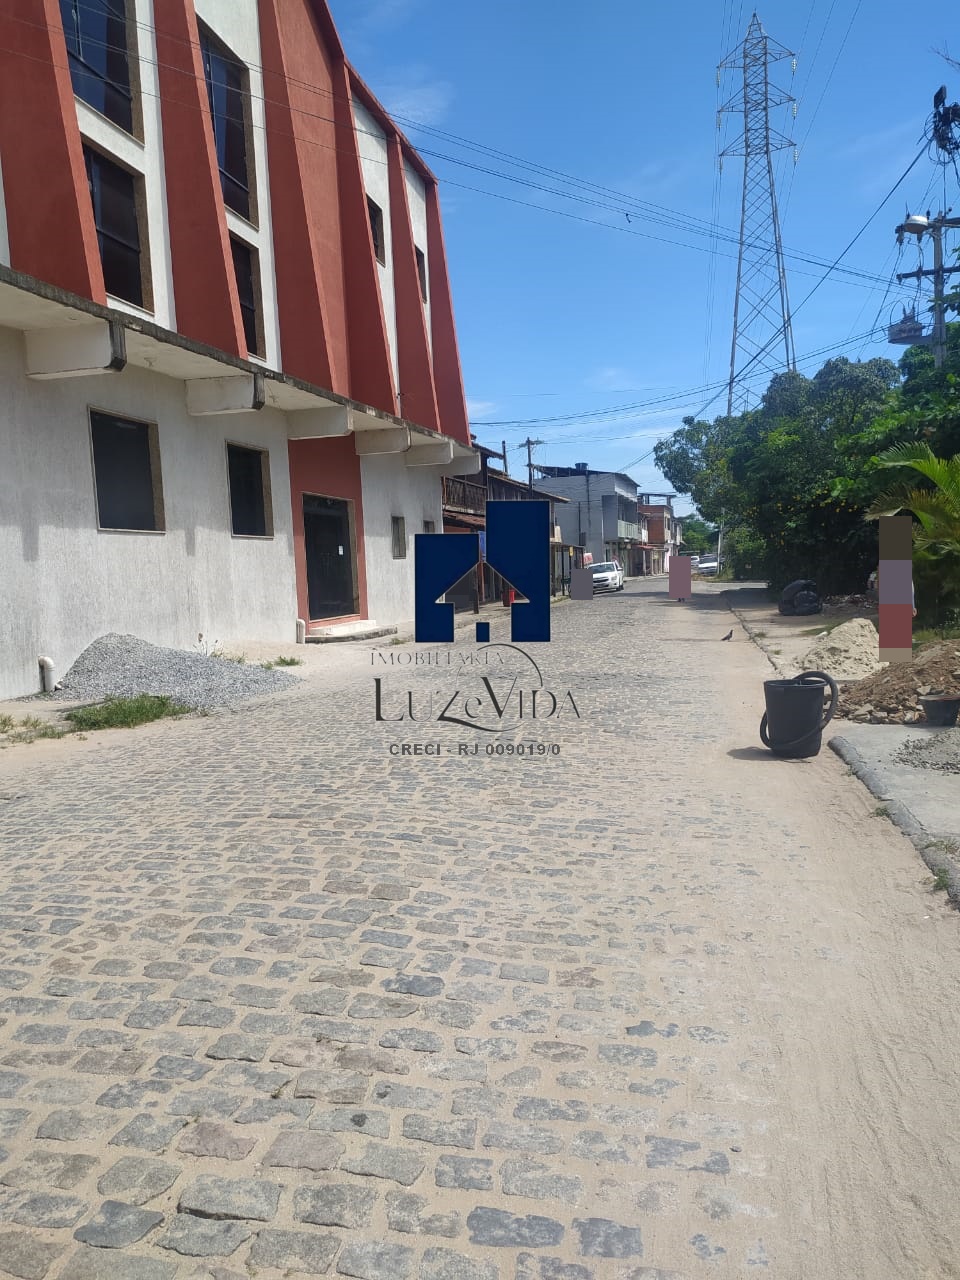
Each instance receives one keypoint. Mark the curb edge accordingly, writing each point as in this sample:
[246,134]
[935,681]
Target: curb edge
[900,815]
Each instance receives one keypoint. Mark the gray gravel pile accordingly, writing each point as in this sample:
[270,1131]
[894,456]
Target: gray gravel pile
[941,752]
[123,666]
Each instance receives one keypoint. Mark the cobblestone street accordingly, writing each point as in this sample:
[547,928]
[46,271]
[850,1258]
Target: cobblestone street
[275,1002]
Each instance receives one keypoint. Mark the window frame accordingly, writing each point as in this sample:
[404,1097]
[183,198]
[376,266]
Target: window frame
[421,258]
[398,537]
[92,152]
[75,59]
[378,230]
[156,470]
[212,45]
[266,491]
[237,242]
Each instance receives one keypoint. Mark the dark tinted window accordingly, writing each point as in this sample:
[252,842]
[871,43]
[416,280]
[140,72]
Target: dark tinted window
[422,272]
[248,505]
[227,91]
[376,229]
[398,531]
[126,475]
[245,266]
[114,195]
[96,34]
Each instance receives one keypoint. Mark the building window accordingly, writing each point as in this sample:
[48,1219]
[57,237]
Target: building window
[99,58]
[398,528]
[246,268]
[429,526]
[421,272]
[376,229]
[228,92]
[251,509]
[114,192]
[126,470]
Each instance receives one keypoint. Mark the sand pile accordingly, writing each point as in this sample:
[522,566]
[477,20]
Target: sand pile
[892,695]
[849,652]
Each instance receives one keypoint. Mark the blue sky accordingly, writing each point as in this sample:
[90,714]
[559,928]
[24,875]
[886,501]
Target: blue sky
[559,317]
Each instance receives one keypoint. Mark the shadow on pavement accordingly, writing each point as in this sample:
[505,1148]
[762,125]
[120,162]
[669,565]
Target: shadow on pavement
[761,753]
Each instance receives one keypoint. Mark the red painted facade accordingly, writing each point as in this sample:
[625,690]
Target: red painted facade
[331,316]
[52,237]
[330,472]
[204,289]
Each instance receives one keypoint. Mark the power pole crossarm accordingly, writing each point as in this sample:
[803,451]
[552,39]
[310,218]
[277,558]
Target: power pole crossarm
[934,228]
[530,446]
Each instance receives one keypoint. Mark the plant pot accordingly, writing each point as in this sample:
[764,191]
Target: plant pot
[941,709]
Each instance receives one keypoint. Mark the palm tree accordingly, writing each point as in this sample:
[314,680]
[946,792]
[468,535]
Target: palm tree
[937,507]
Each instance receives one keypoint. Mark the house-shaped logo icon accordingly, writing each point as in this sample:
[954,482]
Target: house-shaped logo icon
[517,547]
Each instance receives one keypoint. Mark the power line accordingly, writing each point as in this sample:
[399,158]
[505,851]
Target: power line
[807,133]
[650,452]
[809,358]
[663,216]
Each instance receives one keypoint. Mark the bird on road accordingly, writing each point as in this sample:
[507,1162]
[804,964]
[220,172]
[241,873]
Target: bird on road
[728,636]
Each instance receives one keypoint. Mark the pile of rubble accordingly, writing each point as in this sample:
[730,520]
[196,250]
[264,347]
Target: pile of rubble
[892,696]
[868,602]
[941,753]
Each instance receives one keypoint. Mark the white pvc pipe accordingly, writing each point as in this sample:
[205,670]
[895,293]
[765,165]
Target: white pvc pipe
[301,631]
[46,675]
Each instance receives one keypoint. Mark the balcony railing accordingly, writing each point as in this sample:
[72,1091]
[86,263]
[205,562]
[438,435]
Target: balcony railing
[461,495]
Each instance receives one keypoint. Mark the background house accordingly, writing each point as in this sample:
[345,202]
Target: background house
[227,347]
[464,511]
[665,530]
[601,514]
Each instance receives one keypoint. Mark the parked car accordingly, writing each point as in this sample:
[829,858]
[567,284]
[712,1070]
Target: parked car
[708,564]
[607,576]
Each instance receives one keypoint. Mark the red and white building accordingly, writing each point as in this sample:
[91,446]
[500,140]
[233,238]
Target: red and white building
[228,361]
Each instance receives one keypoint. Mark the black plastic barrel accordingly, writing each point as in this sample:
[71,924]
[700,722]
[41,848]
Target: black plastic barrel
[795,718]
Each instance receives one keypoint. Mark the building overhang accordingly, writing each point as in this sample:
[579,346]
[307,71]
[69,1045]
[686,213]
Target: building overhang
[68,336]
[464,519]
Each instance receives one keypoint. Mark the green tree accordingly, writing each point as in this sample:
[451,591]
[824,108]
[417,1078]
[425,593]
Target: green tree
[698,536]
[935,504]
[789,476]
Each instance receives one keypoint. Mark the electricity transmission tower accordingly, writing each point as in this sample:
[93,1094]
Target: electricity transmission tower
[761,309]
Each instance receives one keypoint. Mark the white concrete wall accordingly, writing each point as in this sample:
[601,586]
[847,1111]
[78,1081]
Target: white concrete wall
[417,199]
[64,582]
[390,488]
[236,24]
[4,239]
[372,145]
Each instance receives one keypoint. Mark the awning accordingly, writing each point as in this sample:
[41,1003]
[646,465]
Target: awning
[461,518]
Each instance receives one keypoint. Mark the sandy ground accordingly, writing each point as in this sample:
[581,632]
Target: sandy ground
[784,640]
[664,885]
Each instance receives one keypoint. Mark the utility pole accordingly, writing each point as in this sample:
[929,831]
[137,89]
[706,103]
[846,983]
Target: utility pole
[761,309]
[719,541]
[506,464]
[921,225]
[530,445]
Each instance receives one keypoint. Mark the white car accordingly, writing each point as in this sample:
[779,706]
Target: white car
[607,576]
